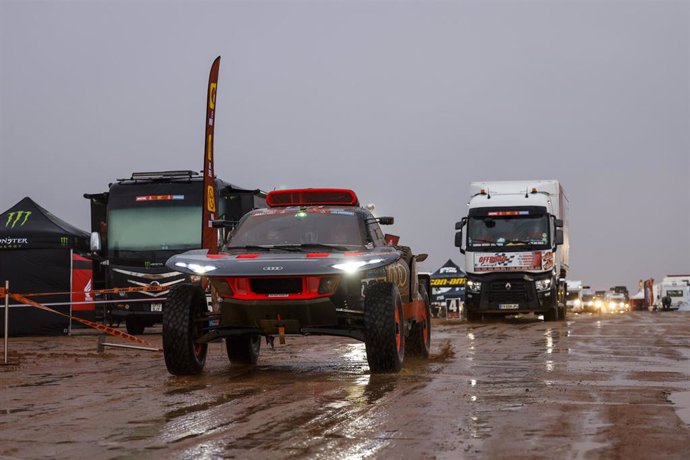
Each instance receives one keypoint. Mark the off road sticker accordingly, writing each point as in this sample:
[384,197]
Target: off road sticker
[513,261]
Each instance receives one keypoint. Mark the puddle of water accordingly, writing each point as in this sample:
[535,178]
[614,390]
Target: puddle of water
[681,404]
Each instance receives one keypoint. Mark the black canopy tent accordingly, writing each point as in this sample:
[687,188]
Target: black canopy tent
[37,255]
[448,287]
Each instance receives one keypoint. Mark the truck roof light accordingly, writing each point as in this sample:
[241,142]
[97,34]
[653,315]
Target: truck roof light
[534,190]
[312,197]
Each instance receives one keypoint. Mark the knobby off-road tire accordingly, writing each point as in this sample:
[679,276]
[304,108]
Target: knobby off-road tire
[243,349]
[182,325]
[384,328]
[418,343]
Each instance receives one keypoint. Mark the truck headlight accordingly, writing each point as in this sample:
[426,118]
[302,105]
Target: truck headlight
[474,286]
[543,285]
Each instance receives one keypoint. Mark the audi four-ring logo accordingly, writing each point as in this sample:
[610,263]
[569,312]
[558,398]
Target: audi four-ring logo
[272,269]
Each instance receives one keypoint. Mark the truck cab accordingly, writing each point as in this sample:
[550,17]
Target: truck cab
[514,239]
[139,223]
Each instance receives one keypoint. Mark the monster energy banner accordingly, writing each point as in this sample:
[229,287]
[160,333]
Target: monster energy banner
[27,225]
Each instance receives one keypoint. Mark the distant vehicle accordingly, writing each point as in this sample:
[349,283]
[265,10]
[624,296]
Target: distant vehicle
[615,302]
[574,296]
[515,241]
[142,221]
[677,287]
[587,299]
[313,263]
[621,290]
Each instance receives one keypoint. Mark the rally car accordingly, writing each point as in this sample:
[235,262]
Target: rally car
[314,262]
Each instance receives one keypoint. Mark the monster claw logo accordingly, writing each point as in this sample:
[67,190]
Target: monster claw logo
[64,241]
[17,217]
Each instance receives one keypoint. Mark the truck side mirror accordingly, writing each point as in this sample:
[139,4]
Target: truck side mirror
[559,223]
[95,242]
[559,236]
[458,225]
[386,220]
[458,241]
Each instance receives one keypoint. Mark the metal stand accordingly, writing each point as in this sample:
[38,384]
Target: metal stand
[102,344]
[7,316]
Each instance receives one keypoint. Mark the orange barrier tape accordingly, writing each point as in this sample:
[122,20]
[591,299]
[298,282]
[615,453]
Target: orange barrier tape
[100,291]
[98,326]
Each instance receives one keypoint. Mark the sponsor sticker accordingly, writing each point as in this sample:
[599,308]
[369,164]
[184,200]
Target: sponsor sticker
[159,197]
[508,261]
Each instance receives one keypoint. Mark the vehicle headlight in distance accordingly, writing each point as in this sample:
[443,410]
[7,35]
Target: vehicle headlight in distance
[597,303]
[543,285]
[474,286]
[577,302]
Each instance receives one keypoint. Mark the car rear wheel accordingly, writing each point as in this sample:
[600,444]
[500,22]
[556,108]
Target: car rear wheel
[419,341]
[184,316]
[134,326]
[243,349]
[383,324]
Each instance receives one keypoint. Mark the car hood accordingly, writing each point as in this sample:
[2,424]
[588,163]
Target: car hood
[199,262]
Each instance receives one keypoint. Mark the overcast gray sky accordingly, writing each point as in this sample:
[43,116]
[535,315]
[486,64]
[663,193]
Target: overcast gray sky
[405,102]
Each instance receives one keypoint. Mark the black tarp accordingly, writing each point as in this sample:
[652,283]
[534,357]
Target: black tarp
[36,257]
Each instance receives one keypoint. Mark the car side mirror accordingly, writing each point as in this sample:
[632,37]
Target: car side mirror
[95,242]
[421,257]
[559,236]
[386,220]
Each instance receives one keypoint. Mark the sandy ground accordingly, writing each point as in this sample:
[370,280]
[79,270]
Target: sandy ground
[593,387]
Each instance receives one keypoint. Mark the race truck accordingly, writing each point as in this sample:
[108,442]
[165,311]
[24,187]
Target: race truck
[312,263]
[515,242]
[139,223]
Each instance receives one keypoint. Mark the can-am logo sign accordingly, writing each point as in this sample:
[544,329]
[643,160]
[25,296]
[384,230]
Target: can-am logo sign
[17,217]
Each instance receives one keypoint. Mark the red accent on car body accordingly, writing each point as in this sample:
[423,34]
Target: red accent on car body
[247,256]
[312,197]
[240,287]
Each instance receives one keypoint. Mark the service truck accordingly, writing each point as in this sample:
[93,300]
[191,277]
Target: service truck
[574,296]
[677,287]
[143,220]
[515,241]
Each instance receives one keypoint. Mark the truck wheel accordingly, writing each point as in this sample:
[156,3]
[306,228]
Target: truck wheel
[551,314]
[383,328]
[562,312]
[183,320]
[134,326]
[419,341]
[474,316]
[243,349]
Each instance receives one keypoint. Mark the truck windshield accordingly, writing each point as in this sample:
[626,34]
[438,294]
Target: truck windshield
[154,228]
[339,228]
[532,231]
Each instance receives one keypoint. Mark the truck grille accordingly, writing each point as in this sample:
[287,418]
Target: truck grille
[276,285]
[498,292]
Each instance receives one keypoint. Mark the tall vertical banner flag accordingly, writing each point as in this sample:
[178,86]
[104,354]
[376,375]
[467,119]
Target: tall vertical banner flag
[209,238]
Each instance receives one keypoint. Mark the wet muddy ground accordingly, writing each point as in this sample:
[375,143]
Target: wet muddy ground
[593,387]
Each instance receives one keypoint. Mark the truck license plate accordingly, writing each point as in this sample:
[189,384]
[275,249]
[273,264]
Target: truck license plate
[508,306]
[156,307]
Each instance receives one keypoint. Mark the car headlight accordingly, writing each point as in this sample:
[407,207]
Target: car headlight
[597,303]
[353,266]
[543,285]
[474,286]
[196,268]
[577,302]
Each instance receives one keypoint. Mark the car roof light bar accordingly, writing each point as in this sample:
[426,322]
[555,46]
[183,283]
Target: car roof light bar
[312,197]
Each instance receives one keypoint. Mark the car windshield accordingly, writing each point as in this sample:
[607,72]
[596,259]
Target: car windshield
[492,231]
[315,228]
